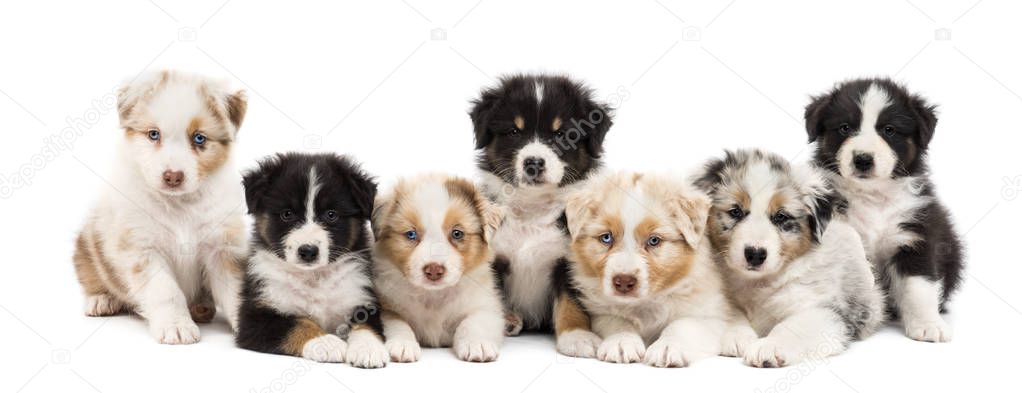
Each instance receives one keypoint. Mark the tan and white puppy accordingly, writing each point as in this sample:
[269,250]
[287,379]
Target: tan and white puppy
[643,270]
[433,270]
[168,234]
[801,278]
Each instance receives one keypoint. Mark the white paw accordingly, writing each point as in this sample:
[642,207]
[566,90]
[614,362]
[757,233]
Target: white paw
[476,350]
[404,351]
[768,352]
[365,350]
[327,348]
[578,343]
[936,331]
[667,353]
[102,305]
[513,324]
[621,348]
[180,332]
[735,340]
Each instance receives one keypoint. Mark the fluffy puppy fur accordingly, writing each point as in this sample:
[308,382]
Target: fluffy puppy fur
[165,241]
[536,135]
[802,279]
[872,134]
[642,268]
[432,264]
[308,281]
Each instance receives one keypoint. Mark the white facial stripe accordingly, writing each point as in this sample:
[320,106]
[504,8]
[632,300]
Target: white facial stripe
[626,258]
[539,92]
[309,233]
[872,102]
[868,140]
[431,203]
[756,229]
[310,202]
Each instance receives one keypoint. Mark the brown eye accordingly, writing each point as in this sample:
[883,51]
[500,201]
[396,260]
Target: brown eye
[287,215]
[457,234]
[844,128]
[330,216]
[889,130]
[736,212]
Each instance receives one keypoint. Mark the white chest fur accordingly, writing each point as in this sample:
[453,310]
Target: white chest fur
[327,295]
[876,211]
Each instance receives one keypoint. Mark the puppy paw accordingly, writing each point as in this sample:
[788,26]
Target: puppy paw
[202,312]
[768,352]
[667,353]
[935,331]
[513,324]
[735,340]
[102,305]
[476,350]
[621,348]
[180,332]
[327,348]
[404,351]
[578,343]
[366,352]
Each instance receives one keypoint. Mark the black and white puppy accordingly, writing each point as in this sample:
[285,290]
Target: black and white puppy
[873,134]
[536,135]
[308,281]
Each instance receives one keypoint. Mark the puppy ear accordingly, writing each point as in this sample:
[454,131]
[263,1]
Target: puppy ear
[814,115]
[482,113]
[237,106]
[711,176]
[926,119]
[131,93]
[381,210]
[362,188]
[578,209]
[601,118]
[257,182]
[818,196]
[493,216]
[690,210]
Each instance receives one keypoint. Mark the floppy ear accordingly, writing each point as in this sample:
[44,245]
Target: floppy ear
[601,117]
[814,115]
[926,117]
[578,208]
[132,92]
[381,209]
[711,176]
[363,191]
[482,113]
[818,196]
[493,216]
[237,105]
[691,209]
[257,182]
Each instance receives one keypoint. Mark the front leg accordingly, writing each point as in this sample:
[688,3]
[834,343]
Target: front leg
[224,278]
[813,333]
[160,300]
[737,336]
[478,337]
[365,347]
[621,340]
[572,329]
[685,341]
[265,330]
[401,341]
[918,302]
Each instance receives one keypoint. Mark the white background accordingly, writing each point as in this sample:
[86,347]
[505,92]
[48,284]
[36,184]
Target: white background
[366,78]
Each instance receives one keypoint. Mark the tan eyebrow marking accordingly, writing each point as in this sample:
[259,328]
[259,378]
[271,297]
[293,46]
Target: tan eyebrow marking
[520,122]
[557,123]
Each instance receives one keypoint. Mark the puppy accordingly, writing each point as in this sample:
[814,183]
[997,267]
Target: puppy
[307,282]
[802,279]
[165,241]
[432,264]
[642,268]
[872,134]
[536,136]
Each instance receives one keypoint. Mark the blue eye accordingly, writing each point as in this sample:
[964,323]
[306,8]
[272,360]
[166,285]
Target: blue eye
[653,241]
[198,139]
[607,238]
[154,134]
[412,235]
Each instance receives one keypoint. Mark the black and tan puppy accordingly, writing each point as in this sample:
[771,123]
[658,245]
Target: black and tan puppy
[307,282]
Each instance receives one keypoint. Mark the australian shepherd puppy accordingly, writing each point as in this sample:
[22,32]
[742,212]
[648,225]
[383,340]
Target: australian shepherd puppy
[872,134]
[536,136]
[642,268]
[432,263]
[801,278]
[308,290]
[165,241]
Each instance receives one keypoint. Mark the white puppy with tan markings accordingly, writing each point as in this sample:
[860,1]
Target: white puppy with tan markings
[801,278]
[166,239]
[642,268]
[433,269]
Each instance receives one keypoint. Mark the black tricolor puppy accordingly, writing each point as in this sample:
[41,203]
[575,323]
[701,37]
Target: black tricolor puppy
[536,136]
[873,135]
[307,281]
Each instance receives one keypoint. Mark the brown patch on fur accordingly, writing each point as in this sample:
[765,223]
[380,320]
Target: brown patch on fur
[671,260]
[203,309]
[472,247]
[365,327]
[94,272]
[569,315]
[520,122]
[590,253]
[557,124]
[777,202]
[793,247]
[393,221]
[303,331]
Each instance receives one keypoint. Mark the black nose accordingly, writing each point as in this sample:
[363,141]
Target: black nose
[308,252]
[534,167]
[863,162]
[755,256]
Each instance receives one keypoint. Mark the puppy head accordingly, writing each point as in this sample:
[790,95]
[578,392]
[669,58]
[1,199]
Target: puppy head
[870,129]
[178,128]
[539,131]
[434,229]
[635,235]
[310,210]
[765,212]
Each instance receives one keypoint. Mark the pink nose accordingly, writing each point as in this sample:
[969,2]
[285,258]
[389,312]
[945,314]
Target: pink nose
[434,271]
[173,178]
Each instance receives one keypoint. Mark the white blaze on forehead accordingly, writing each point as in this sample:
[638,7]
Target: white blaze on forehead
[626,259]
[872,102]
[760,184]
[539,92]
[431,202]
[309,233]
[867,140]
[310,202]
